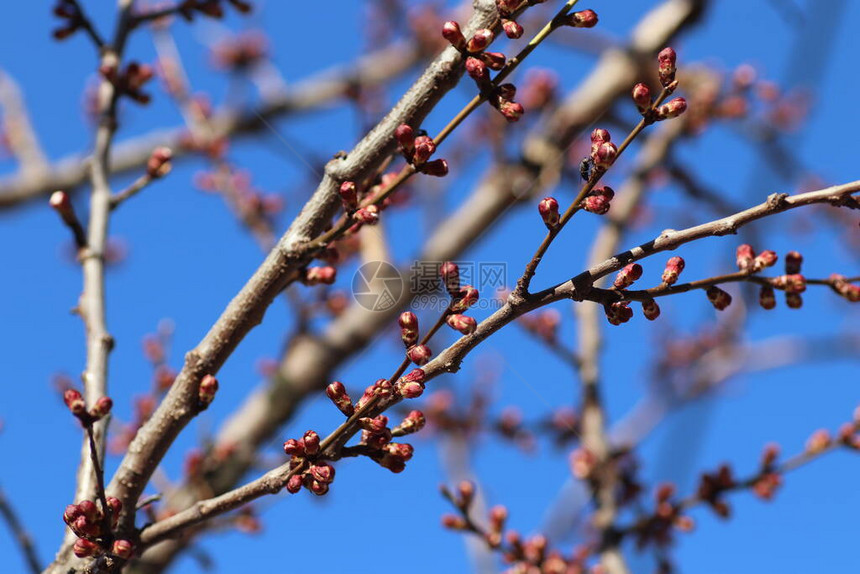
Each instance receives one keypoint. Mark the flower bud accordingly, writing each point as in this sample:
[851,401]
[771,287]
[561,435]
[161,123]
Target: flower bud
[548,209]
[818,442]
[158,164]
[605,154]
[477,69]
[599,136]
[122,548]
[294,484]
[642,97]
[436,168]
[765,259]
[293,447]
[207,389]
[582,19]
[793,262]
[318,488]
[312,442]
[453,522]
[627,276]
[102,408]
[480,41]
[467,297]
[322,472]
[367,215]
[672,109]
[673,269]
[348,195]
[405,136]
[75,402]
[84,548]
[450,273]
[512,111]
[512,29]
[767,297]
[419,354]
[793,300]
[745,257]
[409,389]
[61,202]
[462,323]
[598,201]
[494,60]
[408,328]
[451,32]
[666,66]
[413,423]
[650,309]
[791,283]
[718,298]
[425,147]
[336,392]
[618,312]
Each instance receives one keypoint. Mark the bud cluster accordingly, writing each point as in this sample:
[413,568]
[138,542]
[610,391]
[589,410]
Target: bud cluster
[618,312]
[130,81]
[598,200]
[77,406]
[418,149]
[92,525]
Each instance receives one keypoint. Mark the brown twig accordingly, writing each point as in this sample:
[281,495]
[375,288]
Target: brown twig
[24,540]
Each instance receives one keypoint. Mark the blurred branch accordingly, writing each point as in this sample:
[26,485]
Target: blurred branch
[19,533]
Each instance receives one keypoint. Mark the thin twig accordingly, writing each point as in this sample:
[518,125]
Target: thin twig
[25,541]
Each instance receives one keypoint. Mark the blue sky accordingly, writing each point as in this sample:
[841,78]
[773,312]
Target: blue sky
[187,256]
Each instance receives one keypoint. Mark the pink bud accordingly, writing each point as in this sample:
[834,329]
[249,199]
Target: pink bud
[419,354]
[650,309]
[62,204]
[415,375]
[451,32]
[642,97]
[413,423]
[336,392]
[405,136]
[582,19]
[548,209]
[462,323]
[604,156]
[618,312]
[409,389]
[793,300]
[71,513]
[450,273]
[312,442]
[745,257]
[599,136]
[425,147]
[673,269]
[367,215]
[672,109]
[765,259]
[480,41]
[102,408]
[512,111]
[320,275]
[158,164]
[75,402]
[598,201]
[318,488]
[322,472]
[207,389]
[512,29]
[666,66]
[718,298]
[818,442]
[467,297]
[477,69]
[293,447]
[349,195]
[294,484]
[628,275]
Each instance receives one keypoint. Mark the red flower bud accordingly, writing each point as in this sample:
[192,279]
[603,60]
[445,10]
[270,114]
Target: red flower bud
[84,548]
[598,201]
[767,297]
[293,447]
[367,215]
[320,275]
[765,259]
[413,423]
[512,29]
[462,323]
[425,147]
[75,401]
[436,168]
[548,209]
[467,297]
[493,60]
[480,41]
[605,154]
[642,97]
[672,109]
[405,136]
[451,32]
[599,136]
[618,312]
[673,269]
[450,274]
[650,309]
[419,354]
[312,442]
[158,164]
[102,408]
[336,392]
[582,19]
[207,389]
[294,484]
[745,257]
[666,66]
[793,262]
[512,111]
[322,472]
[627,276]
[348,195]
[409,389]
[122,548]
[477,69]
[793,300]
